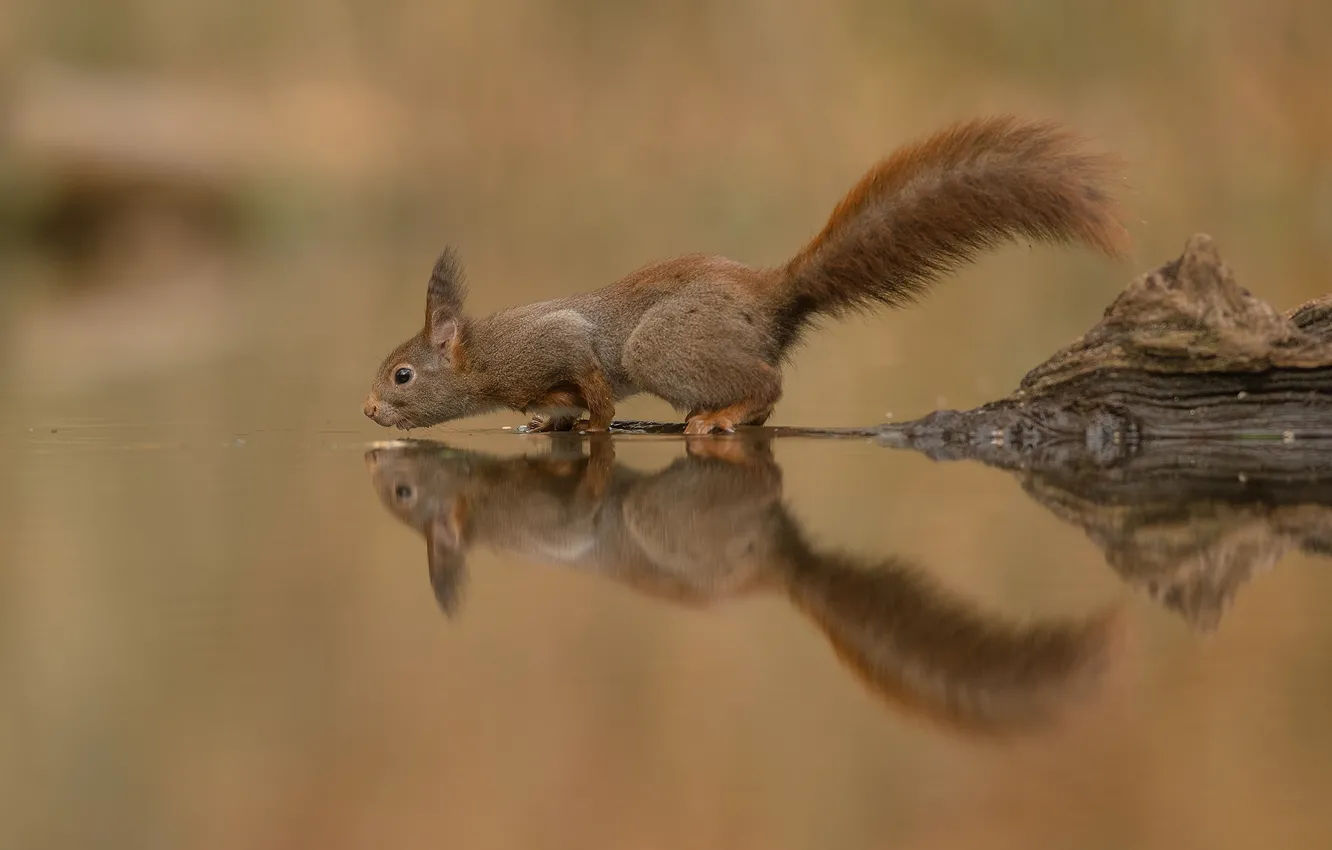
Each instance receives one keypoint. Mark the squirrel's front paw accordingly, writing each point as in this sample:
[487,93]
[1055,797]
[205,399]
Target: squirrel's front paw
[537,425]
[543,424]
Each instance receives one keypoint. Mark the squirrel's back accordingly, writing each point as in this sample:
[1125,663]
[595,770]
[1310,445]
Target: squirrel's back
[932,206]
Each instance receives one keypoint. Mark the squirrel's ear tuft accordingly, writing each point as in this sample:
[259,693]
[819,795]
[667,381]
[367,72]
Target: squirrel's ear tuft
[444,294]
[444,301]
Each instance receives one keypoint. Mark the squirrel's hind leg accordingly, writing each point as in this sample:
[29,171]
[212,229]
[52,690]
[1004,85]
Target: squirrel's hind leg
[750,411]
[709,356]
[543,423]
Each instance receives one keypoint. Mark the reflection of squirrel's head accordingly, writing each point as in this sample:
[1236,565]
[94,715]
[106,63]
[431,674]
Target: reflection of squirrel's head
[457,499]
[423,486]
[415,481]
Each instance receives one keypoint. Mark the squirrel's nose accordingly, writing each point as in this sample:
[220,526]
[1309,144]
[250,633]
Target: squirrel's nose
[371,407]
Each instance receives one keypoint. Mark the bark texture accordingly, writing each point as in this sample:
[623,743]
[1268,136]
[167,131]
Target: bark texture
[1183,352]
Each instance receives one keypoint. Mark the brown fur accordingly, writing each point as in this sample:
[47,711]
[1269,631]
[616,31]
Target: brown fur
[712,527]
[932,206]
[708,334]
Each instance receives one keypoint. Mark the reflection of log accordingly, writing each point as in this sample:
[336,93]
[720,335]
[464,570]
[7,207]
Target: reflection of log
[1191,523]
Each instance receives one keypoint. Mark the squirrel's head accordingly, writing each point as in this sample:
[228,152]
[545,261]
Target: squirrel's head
[426,380]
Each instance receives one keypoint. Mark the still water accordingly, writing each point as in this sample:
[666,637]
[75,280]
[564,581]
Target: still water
[486,639]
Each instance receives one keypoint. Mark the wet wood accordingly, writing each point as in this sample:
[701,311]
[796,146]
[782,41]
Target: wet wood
[1184,352]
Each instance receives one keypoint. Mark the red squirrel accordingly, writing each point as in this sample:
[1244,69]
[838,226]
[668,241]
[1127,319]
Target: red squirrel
[709,334]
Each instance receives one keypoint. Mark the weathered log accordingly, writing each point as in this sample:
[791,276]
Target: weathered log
[1184,352]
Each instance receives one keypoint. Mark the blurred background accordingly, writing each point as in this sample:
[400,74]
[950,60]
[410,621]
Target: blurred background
[216,216]
[206,181]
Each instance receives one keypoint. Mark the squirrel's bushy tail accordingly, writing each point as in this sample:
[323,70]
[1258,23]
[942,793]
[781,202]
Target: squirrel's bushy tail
[932,206]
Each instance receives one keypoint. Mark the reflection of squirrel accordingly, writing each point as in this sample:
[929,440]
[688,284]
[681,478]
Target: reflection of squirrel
[708,334]
[712,526]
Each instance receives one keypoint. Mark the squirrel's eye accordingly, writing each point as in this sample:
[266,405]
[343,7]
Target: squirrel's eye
[403,492]
[402,376]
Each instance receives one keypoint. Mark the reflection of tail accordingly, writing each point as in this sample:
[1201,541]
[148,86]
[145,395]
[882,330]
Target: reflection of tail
[936,656]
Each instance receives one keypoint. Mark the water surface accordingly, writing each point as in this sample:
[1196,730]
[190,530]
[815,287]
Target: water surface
[486,639]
